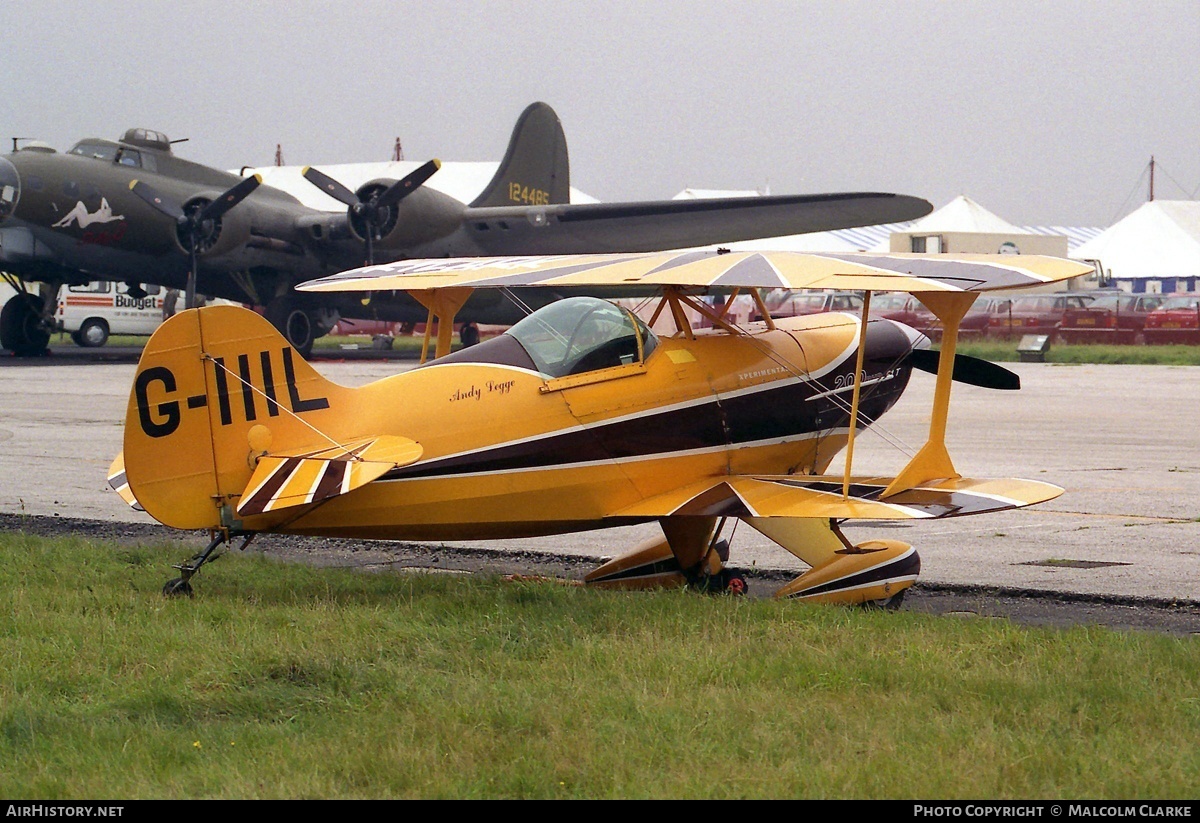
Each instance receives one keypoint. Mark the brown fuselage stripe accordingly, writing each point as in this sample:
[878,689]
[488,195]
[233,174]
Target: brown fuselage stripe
[785,411]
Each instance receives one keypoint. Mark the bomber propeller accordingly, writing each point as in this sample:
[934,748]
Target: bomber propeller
[373,209]
[197,222]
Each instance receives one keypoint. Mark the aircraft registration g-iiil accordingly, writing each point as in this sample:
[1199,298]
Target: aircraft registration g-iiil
[580,417]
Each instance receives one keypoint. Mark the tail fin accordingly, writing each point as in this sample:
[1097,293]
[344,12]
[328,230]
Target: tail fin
[535,170]
[216,389]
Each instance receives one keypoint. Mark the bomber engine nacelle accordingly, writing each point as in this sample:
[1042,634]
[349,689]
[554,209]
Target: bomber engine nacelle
[214,237]
[421,217]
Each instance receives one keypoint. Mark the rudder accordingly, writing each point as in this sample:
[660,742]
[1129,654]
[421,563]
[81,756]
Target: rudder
[215,389]
[535,170]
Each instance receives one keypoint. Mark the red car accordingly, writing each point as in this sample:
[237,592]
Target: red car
[347,327]
[1035,314]
[1110,318]
[901,307]
[910,311]
[796,303]
[1177,320]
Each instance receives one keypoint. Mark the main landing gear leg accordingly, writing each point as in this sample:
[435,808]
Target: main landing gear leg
[181,585]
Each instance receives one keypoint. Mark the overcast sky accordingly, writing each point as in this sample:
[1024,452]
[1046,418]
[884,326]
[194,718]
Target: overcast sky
[1044,112]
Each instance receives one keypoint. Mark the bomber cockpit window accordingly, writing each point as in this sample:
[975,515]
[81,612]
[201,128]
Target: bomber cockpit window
[129,157]
[100,151]
[582,334]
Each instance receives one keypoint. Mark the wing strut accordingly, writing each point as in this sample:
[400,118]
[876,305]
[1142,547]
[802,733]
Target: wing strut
[933,462]
[444,305]
[858,375]
[762,309]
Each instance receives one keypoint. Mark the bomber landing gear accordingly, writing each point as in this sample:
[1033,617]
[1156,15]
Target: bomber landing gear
[181,585]
[21,328]
[294,323]
[468,334]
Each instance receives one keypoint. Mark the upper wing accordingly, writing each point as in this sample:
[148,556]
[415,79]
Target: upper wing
[674,224]
[821,496]
[715,270]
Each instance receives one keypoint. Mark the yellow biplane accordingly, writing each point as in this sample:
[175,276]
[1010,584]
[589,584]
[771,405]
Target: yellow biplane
[580,417]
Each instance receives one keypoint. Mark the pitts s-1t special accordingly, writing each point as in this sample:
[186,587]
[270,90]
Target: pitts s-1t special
[580,417]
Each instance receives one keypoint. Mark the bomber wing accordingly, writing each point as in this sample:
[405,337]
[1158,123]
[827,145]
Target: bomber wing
[673,224]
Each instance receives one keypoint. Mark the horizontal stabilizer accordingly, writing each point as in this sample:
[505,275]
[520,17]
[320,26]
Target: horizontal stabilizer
[284,480]
[821,496]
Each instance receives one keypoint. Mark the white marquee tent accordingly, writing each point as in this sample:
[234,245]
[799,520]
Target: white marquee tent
[1156,248]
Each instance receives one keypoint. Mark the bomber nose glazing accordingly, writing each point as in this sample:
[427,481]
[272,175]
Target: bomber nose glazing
[10,188]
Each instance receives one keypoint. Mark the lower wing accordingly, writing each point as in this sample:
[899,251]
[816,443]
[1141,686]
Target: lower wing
[824,497]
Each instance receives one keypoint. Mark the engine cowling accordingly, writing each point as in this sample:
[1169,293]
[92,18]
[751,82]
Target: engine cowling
[423,216]
[227,233]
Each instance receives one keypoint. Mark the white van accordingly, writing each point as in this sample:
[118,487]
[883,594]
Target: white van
[92,311]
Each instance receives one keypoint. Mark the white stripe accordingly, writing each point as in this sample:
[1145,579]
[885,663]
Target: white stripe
[531,372]
[911,578]
[911,512]
[249,494]
[316,482]
[641,458]
[275,497]
[774,385]
[911,550]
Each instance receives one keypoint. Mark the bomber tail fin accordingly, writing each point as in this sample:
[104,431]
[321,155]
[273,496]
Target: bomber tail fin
[220,399]
[535,170]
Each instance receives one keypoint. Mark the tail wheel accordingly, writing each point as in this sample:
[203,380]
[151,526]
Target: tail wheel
[21,329]
[294,323]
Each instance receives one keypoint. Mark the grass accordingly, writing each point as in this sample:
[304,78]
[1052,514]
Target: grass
[285,681]
[1006,350]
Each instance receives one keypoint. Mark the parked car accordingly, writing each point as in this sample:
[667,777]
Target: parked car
[1177,320]
[1113,317]
[974,324]
[1035,314]
[91,312]
[346,327]
[901,307]
[784,303]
